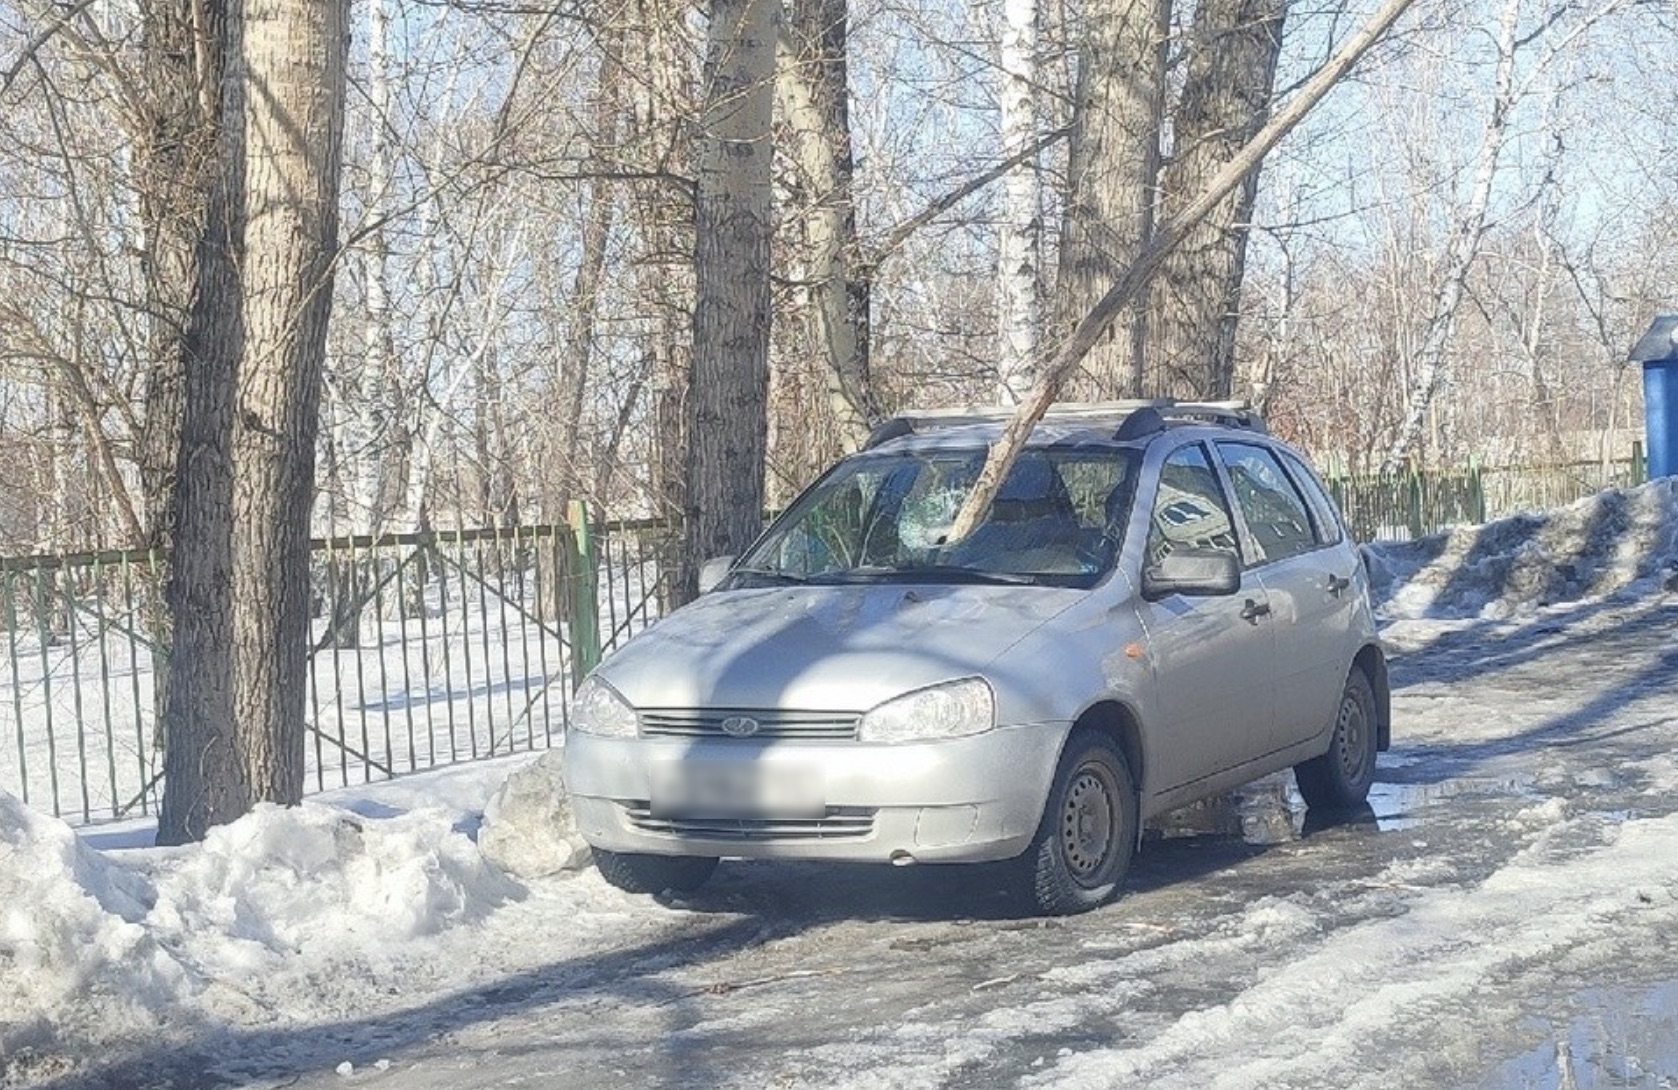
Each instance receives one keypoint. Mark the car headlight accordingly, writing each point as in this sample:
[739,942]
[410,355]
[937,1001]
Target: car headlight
[598,709]
[952,710]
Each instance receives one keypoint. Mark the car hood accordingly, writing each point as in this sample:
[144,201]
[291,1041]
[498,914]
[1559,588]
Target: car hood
[831,648]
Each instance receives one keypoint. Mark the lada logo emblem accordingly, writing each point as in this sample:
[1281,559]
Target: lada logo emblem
[740,726]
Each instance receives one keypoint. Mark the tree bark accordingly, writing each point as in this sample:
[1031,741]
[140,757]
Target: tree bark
[1112,171]
[205,782]
[1195,301]
[728,395]
[815,91]
[295,56]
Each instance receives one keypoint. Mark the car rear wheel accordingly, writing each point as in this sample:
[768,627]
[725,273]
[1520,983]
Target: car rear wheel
[1088,831]
[634,873]
[1340,778]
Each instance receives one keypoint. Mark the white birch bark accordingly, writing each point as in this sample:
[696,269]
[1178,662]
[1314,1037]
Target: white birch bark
[1019,236]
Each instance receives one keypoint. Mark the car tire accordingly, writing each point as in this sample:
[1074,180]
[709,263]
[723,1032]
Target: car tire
[1087,835]
[634,873]
[1340,778]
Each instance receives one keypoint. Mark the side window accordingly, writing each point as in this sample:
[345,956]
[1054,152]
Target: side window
[1330,527]
[1189,508]
[1276,513]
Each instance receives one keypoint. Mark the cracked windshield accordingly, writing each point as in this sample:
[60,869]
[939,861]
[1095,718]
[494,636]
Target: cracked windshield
[1057,520]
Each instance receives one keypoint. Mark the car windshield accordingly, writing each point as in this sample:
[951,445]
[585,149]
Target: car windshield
[1057,520]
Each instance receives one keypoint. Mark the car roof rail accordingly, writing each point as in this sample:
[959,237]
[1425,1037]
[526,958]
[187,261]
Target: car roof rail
[1131,419]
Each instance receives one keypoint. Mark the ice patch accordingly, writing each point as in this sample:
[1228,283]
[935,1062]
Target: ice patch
[528,827]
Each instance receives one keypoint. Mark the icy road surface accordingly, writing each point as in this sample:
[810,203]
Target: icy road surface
[1504,915]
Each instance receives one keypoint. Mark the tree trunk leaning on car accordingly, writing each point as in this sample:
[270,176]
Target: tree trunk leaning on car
[1165,239]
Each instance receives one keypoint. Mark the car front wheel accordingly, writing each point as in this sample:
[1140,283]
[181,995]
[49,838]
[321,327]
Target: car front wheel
[1088,831]
[634,873]
[1340,778]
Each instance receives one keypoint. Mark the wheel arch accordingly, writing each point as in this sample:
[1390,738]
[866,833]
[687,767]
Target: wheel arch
[1119,723]
[1373,663]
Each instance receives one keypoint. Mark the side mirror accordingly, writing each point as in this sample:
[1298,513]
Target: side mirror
[1199,572]
[713,571]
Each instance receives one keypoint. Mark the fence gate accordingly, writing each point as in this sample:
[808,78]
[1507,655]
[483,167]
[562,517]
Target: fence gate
[426,650]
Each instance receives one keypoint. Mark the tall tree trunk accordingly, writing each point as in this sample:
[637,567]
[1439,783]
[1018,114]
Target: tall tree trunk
[728,395]
[205,781]
[175,165]
[1195,300]
[1020,234]
[1112,170]
[295,52]
[815,92]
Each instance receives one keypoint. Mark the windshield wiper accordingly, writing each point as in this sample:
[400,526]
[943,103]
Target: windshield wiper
[771,573]
[952,573]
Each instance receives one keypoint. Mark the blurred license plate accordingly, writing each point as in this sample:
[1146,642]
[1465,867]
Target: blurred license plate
[735,789]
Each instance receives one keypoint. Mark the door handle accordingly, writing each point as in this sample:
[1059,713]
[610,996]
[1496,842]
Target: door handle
[1252,611]
[1338,583]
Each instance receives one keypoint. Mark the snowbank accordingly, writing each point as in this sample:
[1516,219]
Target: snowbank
[270,913]
[1614,541]
[76,960]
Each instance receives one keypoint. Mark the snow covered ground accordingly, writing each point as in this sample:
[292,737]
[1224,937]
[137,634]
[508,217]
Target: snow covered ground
[1505,914]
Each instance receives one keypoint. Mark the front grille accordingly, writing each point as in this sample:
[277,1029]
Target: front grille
[772,723]
[839,823]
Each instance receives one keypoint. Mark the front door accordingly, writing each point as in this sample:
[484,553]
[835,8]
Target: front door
[1212,654]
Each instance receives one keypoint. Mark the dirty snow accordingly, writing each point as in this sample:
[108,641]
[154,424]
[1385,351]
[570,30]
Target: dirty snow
[434,932]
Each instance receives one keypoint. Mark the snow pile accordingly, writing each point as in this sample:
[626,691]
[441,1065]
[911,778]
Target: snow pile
[528,827]
[75,957]
[317,880]
[286,913]
[1603,544]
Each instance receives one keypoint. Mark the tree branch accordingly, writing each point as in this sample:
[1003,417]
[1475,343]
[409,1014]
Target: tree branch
[902,232]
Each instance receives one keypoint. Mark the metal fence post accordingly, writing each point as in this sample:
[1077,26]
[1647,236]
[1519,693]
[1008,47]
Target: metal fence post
[1639,466]
[584,592]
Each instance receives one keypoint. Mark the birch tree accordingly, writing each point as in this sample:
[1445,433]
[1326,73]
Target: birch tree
[1510,86]
[1020,232]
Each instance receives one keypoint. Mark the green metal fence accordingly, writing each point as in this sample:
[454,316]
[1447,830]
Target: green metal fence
[426,649]
[1414,503]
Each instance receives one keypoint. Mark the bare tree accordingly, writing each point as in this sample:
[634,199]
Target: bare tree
[814,93]
[1111,173]
[1020,233]
[241,588]
[1195,300]
[728,394]
[1553,34]
[1128,287]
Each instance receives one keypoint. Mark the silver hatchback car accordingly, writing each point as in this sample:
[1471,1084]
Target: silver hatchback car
[1162,603]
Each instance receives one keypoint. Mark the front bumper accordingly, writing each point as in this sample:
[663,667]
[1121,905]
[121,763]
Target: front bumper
[961,800]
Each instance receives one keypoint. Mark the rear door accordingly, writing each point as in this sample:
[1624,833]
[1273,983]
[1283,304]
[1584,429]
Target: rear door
[1300,555]
[1211,654]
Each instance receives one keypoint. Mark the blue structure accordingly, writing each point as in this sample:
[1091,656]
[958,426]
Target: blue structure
[1658,353]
